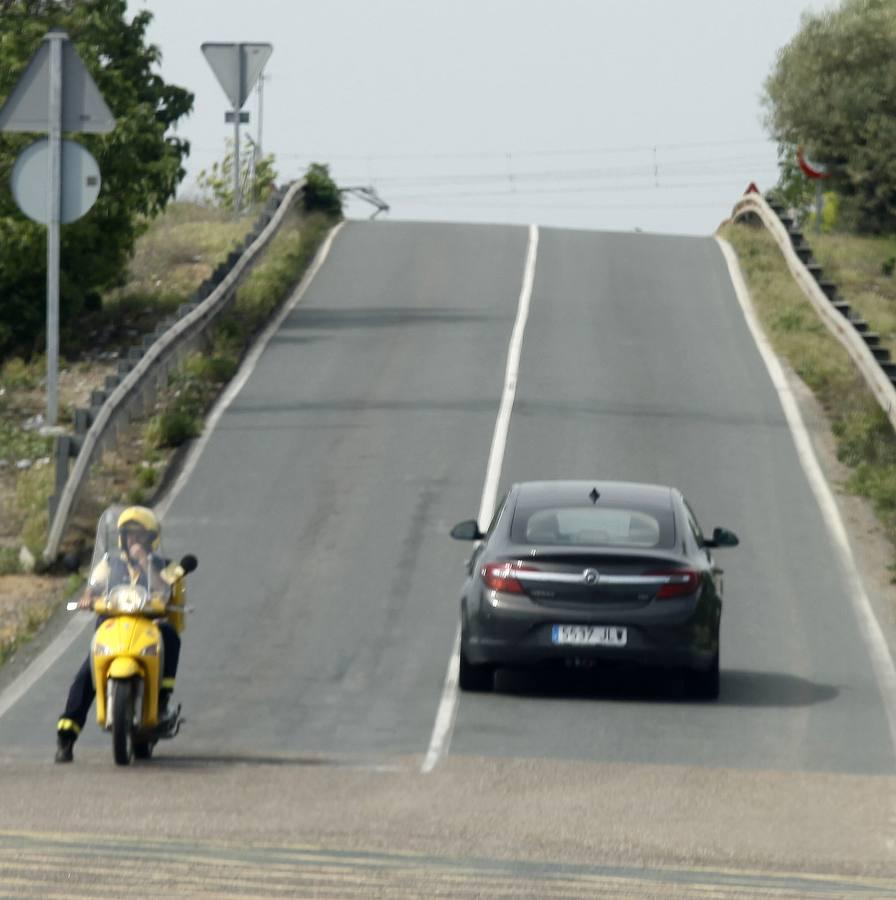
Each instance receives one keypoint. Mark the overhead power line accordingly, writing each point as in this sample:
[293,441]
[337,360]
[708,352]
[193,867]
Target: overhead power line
[374,156]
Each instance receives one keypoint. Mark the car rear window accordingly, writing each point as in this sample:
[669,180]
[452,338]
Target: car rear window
[594,526]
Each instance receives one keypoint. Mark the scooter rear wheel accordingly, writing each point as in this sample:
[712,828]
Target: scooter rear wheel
[123,722]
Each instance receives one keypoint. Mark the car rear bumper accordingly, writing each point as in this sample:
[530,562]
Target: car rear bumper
[690,642]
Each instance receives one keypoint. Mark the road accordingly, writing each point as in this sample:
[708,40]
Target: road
[326,611]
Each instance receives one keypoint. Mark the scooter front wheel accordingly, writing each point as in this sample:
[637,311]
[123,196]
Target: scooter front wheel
[123,722]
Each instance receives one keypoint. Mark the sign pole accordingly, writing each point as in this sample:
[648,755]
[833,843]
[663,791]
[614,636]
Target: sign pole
[819,206]
[54,198]
[237,67]
[236,135]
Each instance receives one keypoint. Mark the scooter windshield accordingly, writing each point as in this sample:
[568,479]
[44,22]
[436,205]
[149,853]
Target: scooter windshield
[111,567]
[127,598]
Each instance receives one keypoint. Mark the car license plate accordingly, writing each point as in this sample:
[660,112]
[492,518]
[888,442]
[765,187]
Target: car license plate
[589,635]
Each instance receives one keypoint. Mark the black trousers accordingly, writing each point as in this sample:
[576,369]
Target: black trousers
[82,691]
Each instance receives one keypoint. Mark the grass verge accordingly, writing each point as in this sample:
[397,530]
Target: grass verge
[866,442]
[32,616]
[863,269]
[198,382]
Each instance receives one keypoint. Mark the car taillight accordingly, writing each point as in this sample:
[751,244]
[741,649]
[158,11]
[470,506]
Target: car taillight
[681,583]
[501,576]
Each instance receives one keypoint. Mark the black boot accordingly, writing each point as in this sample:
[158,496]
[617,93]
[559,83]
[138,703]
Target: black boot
[165,711]
[65,742]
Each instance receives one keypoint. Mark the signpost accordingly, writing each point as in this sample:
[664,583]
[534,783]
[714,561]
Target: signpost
[55,93]
[237,68]
[817,173]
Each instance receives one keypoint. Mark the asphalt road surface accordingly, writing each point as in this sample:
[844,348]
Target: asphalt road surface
[314,668]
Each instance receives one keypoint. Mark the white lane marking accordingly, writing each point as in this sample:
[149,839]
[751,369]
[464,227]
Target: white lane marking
[881,661]
[447,711]
[502,425]
[42,663]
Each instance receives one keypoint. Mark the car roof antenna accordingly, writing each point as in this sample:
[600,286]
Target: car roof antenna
[594,495]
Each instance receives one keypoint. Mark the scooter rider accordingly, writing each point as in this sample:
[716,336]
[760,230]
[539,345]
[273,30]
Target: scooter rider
[139,535]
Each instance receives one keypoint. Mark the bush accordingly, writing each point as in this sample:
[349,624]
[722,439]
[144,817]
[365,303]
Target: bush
[173,428]
[320,193]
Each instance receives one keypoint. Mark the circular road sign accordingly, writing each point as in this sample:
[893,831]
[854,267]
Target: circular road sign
[80,181]
[810,169]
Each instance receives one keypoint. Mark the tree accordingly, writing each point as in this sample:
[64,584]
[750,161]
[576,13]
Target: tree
[257,175]
[833,91]
[141,164]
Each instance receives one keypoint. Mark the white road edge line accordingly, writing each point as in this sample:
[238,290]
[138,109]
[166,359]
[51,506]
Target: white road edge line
[447,711]
[869,627]
[42,663]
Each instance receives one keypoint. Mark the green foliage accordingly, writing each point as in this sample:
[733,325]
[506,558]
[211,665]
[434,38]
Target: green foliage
[15,443]
[140,165]
[195,385]
[17,374]
[794,191]
[887,266]
[321,193]
[174,427]
[9,561]
[865,436]
[833,91]
[146,476]
[257,176]
[33,490]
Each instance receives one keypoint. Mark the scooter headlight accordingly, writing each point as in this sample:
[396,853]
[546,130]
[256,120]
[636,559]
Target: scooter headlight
[102,650]
[151,650]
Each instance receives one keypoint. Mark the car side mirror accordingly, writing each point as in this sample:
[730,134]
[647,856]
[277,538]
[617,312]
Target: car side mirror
[189,563]
[467,530]
[722,537]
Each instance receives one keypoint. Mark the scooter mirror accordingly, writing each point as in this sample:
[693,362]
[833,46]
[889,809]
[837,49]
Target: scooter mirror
[189,563]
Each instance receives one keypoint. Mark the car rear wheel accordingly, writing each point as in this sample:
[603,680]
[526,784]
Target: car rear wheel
[478,679]
[703,684]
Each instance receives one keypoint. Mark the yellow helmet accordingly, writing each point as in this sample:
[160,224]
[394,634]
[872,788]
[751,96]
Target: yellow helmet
[140,519]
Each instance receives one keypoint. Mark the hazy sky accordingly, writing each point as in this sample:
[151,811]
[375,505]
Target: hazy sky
[603,114]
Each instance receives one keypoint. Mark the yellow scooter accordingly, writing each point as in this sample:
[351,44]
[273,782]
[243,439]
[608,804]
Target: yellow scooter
[126,663]
[127,651]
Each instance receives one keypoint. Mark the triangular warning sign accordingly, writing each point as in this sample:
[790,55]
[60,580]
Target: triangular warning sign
[237,67]
[83,108]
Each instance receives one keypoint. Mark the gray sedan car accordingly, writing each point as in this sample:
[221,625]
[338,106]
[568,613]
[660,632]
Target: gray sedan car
[592,570]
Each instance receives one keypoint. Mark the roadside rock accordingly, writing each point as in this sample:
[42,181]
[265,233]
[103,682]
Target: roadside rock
[27,560]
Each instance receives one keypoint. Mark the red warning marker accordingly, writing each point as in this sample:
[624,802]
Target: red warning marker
[809,168]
